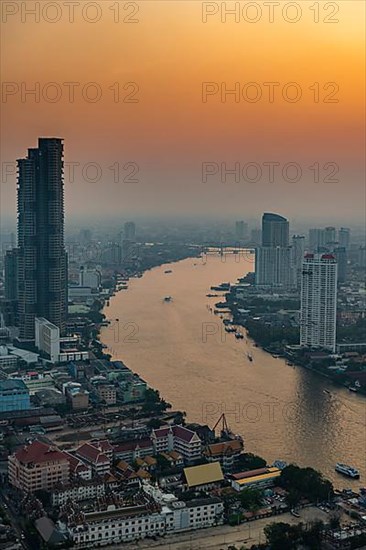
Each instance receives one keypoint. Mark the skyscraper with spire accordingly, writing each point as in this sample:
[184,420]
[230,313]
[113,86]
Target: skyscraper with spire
[42,259]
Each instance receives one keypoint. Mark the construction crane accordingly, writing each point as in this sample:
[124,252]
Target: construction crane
[226,433]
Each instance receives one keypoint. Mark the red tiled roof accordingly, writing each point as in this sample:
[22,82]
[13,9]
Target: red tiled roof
[183,433]
[91,453]
[132,445]
[73,460]
[178,431]
[103,445]
[244,475]
[38,452]
[161,432]
[224,448]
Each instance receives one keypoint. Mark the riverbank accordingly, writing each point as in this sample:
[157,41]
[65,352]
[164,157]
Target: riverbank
[272,323]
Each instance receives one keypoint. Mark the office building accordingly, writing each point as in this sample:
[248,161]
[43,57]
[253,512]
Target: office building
[42,260]
[340,252]
[11,275]
[330,236]
[256,237]
[129,231]
[14,396]
[47,338]
[9,304]
[273,267]
[316,240]
[241,230]
[318,301]
[344,237]
[297,256]
[275,230]
[91,278]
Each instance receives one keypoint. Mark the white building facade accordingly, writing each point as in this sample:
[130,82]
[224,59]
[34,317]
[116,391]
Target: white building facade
[318,302]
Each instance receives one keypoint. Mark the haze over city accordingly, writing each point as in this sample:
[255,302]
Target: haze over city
[182,275]
[164,124]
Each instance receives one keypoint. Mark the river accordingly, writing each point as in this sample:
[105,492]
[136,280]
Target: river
[181,349]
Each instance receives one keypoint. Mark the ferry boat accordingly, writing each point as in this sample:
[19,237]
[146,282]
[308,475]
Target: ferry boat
[347,470]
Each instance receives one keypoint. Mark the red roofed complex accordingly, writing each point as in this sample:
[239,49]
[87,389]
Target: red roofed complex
[91,454]
[130,450]
[38,466]
[78,468]
[177,438]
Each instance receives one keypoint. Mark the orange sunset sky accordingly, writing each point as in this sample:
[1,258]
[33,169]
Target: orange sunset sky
[169,132]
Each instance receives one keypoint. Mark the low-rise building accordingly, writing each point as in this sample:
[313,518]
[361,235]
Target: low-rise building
[156,514]
[260,478]
[83,490]
[14,396]
[136,448]
[204,477]
[225,452]
[107,393]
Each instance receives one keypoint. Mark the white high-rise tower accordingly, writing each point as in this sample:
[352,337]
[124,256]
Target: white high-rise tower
[318,301]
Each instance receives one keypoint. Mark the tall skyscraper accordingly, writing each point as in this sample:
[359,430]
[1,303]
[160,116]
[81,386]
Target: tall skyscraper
[330,236]
[241,230]
[129,232]
[255,237]
[344,237]
[318,301]
[9,305]
[272,267]
[275,230]
[11,274]
[273,258]
[340,252]
[42,260]
[297,257]
[316,240]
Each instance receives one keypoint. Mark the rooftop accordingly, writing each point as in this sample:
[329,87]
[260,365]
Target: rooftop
[205,473]
[12,384]
[38,452]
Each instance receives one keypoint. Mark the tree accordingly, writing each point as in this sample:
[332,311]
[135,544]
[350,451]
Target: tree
[282,536]
[153,402]
[306,482]
[250,461]
[251,499]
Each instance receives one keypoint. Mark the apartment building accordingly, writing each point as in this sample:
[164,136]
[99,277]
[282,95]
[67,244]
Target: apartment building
[38,466]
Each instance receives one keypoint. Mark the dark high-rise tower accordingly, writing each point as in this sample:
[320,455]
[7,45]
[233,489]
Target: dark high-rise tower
[42,261]
[275,230]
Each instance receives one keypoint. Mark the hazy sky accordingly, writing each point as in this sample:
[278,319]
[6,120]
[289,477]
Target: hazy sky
[168,122]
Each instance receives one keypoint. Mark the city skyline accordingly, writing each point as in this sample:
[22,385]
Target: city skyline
[182,274]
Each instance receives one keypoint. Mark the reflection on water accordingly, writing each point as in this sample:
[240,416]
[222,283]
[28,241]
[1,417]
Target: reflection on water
[181,348]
